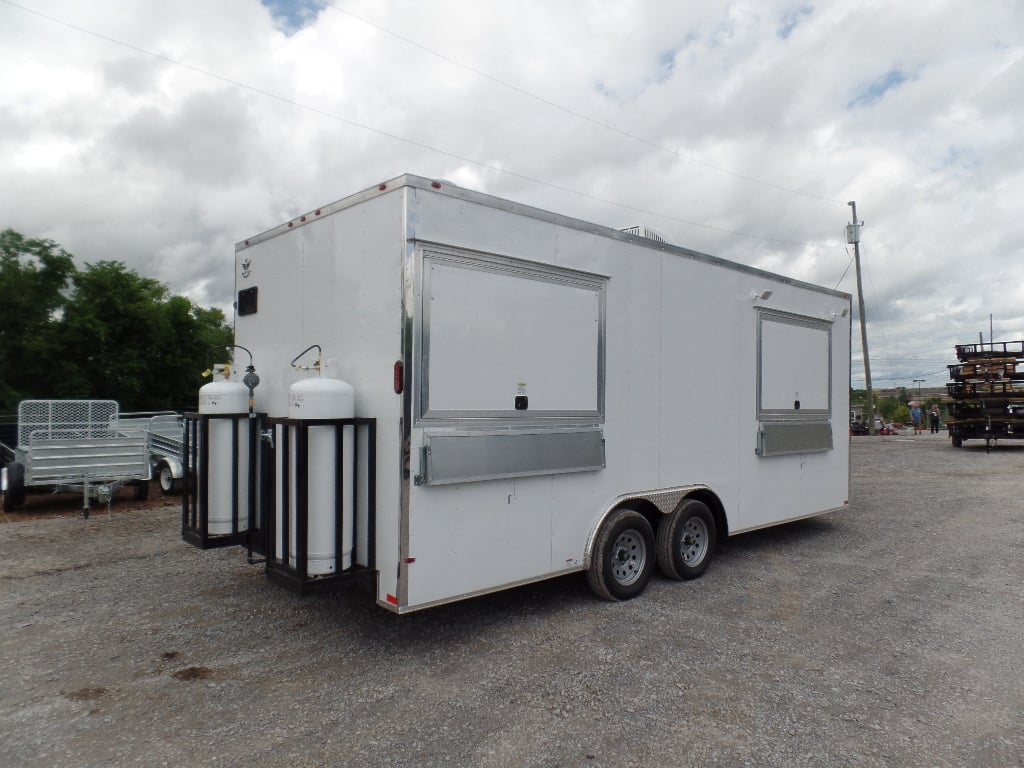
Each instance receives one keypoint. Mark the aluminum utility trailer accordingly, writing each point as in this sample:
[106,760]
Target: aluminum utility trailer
[165,433]
[987,389]
[550,396]
[75,445]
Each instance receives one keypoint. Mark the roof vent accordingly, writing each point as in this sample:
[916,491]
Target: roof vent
[650,234]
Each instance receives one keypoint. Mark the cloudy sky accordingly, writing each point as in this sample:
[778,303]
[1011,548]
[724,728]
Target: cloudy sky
[159,134]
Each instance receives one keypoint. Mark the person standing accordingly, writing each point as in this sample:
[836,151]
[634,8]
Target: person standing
[915,416]
[933,416]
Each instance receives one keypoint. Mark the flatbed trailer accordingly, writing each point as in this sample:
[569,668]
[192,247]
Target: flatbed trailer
[987,390]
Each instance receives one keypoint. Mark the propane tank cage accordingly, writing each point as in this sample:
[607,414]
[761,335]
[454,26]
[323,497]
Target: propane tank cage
[292,573]
[195,498]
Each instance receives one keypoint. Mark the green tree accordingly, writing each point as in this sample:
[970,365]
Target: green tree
[34,275]
[128,338]
[110,323]
[100,332]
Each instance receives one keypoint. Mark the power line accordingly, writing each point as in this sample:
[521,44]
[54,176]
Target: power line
[572,112]
[396,137]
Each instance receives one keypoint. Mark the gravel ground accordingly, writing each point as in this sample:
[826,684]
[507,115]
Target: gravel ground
[891,634]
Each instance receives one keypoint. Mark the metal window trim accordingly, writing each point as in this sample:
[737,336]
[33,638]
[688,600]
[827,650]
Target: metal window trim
[823,415]
[426,253]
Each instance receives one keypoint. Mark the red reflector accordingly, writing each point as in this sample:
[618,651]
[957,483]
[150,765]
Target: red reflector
[316,213]
[302,218]
[290,224]
[382,187]
[410,560]
[392,599]
[399,377]
[435,184]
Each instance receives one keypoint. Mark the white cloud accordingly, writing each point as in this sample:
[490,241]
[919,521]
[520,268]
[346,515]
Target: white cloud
[749,126]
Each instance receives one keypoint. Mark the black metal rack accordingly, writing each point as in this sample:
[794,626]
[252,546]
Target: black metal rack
[292,572]
[1014,349]
[195,497]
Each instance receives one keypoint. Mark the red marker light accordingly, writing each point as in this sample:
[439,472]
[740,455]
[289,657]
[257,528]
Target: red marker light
[435,184]
[317,212]
[302,218]
[382,187]
[392,599]
[399,377]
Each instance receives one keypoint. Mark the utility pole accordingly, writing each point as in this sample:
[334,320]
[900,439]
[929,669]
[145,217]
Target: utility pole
[919,382]
[853,236]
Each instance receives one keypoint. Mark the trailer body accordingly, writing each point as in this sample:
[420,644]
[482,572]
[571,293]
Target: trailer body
[531,374]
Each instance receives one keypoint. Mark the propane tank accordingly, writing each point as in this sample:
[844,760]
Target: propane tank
[320,397]
[228,400]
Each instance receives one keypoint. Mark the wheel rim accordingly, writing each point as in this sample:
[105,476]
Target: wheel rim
[693,544]
[166,479]
[629,555]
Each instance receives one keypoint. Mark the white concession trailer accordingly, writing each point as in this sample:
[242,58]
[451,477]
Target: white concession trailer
[459,393]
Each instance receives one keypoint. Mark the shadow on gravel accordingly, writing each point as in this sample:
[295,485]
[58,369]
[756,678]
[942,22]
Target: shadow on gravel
[1001,446]
[783,535]
[43,504]
[540,607]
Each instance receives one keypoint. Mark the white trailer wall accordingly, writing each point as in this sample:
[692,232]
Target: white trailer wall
[681,378]
[335,281]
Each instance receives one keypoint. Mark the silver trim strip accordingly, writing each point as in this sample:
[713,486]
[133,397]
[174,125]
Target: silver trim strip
[776,523]
[403,608]
[464,457]
[408,392]
[782,438]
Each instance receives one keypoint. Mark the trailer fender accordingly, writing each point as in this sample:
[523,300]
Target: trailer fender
[655,505]
[170,473]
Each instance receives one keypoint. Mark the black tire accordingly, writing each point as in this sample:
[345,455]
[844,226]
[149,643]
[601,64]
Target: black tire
[169,484]
[686,541]
[623,556]
[14,496]
[140,490]
[957,442]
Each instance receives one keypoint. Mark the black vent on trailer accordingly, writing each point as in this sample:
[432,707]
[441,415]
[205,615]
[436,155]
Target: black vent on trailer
[247,301]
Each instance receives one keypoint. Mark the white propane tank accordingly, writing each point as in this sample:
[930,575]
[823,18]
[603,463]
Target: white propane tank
[322,398]
[224,397]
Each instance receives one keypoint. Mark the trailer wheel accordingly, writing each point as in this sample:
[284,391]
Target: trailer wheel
[169,484]
[140,490]
[957,442]
[623,556]
[686,541]
[14,496]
